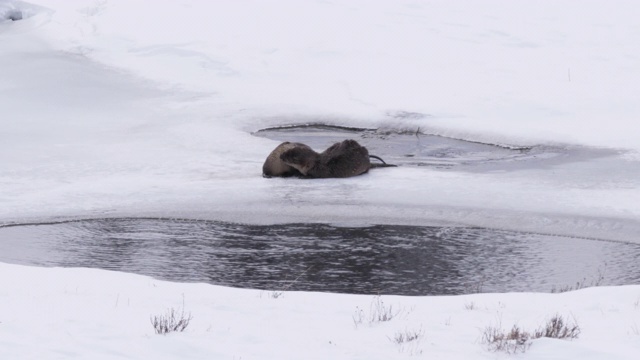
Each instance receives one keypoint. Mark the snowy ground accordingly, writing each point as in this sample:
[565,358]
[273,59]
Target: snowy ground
[96,314]
[139,108]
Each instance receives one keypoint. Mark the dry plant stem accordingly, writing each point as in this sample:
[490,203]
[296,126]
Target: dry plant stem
[518,340]
[278,293]
[172,321]
[378,312]
[406,336]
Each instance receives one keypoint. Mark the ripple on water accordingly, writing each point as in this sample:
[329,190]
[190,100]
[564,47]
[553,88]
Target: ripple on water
[382,259]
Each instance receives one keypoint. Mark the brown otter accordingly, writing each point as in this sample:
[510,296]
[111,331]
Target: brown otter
[274,166]
[340,160]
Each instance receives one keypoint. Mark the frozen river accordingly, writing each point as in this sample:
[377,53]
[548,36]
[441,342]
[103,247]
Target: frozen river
[417,259]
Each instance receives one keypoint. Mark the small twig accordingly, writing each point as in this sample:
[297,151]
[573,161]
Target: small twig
[277,293]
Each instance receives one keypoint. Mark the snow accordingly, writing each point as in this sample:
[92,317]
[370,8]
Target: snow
[51,313]
[132,108]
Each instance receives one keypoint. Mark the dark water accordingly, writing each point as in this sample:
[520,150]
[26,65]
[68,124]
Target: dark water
[380,259]
[413,148]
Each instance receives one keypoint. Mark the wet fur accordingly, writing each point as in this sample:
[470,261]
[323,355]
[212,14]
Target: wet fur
[340,160]
[274,166]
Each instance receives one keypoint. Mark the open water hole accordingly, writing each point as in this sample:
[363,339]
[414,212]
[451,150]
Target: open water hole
[381,259]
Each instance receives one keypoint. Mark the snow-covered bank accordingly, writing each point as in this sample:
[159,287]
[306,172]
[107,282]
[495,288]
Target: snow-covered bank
[53,313]
[534,70]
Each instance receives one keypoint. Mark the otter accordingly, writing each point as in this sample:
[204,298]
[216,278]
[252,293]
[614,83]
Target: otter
[343,159]
[274,166]
[340,160]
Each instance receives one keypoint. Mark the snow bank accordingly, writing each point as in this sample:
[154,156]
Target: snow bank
[493,71]
[61,313]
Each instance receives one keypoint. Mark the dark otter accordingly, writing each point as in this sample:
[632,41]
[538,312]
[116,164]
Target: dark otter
[274,166]
[340,160]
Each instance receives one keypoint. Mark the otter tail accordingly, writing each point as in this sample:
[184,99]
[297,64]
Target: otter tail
[384,163]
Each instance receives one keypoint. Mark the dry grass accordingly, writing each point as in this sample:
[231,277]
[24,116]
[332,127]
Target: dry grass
[406,336]
[518,341]
[514,341]
[172,321]
[378,312]
[408,341]
[584,283]
[558,328]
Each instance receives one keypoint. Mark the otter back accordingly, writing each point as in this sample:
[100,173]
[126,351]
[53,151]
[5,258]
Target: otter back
[343,159]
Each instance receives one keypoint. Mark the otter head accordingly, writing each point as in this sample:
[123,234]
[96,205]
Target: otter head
[274,166]
[301,158]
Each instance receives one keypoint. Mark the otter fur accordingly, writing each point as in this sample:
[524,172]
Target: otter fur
[340,160]
[274,166]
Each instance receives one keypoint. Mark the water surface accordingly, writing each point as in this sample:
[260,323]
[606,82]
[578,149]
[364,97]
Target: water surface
[414,148]
[383,259]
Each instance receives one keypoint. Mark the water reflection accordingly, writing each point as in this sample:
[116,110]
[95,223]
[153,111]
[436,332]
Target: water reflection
[382,259]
